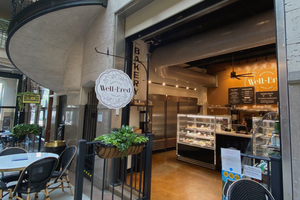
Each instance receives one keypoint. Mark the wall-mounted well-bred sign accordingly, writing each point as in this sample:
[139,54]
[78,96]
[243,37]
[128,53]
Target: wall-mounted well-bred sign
[270,97]
[242,95]
[31,98]
[263,77]
[114,89]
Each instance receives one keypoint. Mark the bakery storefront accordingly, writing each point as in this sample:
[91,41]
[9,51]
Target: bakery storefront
[212,85]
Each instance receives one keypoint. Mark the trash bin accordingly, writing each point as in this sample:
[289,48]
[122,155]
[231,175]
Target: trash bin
[56,146]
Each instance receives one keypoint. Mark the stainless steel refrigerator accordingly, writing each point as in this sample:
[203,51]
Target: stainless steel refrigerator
[164,118]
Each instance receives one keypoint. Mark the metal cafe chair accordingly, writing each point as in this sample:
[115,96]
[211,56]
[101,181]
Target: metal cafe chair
[15,175]
[65,160]
[35,178]
[247,189]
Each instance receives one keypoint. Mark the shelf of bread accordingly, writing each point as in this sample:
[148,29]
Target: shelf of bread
[200,136]
[198,122]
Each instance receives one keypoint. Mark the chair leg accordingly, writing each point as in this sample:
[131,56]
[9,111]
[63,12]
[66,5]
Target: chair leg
[62,185]
[68,181]
[1,194]
[36,196]
[47,197]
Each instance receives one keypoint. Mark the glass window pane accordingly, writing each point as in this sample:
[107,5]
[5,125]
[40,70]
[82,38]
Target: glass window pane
[7,117]
[8,91]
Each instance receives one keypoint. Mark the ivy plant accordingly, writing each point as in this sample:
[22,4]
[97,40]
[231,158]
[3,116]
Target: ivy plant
[23,129]
[123,138]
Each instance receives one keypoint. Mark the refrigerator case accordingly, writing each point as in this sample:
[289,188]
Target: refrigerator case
[196,138]
[164,118]
[158,122]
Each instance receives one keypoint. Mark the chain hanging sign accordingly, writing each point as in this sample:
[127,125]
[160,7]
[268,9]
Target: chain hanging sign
[114,89]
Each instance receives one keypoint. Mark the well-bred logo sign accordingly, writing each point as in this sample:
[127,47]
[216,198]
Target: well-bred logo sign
[114,89]
[264,76]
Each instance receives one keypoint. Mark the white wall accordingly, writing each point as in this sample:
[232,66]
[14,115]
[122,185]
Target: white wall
[155,12]
[292,9]
[101,35]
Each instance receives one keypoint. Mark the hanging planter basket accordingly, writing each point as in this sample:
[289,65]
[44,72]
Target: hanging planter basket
[106,151]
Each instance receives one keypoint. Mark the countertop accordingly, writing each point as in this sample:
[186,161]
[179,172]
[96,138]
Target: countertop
[234,134]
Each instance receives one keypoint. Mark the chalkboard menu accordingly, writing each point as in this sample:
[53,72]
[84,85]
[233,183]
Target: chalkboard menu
[269,97]
[243,95]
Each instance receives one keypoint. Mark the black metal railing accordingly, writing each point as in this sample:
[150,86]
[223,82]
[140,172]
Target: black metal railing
[19,5]
[133,182]
[3,38]
[272,176]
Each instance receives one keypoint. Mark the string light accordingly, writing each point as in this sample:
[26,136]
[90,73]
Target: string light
[177,86]
[187,88]
[164,84]
[195,89]
[149,81]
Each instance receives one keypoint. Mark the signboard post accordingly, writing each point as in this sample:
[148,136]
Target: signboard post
[231,168]
[114,89]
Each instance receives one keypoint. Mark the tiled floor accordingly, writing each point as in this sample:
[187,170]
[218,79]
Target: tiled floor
[177,180]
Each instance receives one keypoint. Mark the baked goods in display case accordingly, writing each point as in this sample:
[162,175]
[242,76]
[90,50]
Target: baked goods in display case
[266,139]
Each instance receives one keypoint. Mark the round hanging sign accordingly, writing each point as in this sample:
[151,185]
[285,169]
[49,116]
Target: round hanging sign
[114,89]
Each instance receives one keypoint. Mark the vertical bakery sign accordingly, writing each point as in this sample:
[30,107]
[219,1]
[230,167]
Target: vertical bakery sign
[138,71]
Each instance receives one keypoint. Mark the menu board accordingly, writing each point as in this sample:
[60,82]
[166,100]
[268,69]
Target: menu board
[243,95]
[269,97]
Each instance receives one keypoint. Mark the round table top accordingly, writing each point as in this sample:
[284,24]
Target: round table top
[18,162]
[5,133]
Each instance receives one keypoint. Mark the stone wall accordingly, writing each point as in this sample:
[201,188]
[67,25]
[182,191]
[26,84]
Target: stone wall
[292,14]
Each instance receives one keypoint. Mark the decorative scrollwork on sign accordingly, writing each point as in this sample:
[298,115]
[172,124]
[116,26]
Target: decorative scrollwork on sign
[114,89]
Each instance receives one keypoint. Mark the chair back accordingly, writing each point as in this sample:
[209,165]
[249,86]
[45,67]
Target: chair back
[37,175]
[66,158]
[248,190]
[12,150]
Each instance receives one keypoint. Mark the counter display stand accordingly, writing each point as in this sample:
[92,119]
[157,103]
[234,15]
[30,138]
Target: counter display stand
[265,141]
[263,152]
[196,138]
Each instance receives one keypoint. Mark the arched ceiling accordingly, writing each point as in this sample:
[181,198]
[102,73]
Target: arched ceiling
[40,48]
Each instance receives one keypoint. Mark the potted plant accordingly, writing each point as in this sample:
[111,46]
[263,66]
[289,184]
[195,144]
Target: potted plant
[20,131]
[120,143]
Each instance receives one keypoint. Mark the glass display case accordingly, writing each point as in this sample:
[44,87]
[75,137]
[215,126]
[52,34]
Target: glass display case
[196,137]
[266,140]
[223,122]
[196,130]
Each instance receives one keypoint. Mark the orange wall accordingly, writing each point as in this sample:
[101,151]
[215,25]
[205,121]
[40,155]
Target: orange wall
[264,72]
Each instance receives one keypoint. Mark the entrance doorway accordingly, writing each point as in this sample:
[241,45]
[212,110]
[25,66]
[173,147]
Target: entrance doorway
[207,58]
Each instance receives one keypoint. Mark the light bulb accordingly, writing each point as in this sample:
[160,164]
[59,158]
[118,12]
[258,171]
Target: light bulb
[164,84]
[149,81]
[187,88]
[177,86]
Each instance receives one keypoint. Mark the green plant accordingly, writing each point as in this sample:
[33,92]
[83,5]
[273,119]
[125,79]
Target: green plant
[123,138]
[23,129]
[20,99]
[4,24]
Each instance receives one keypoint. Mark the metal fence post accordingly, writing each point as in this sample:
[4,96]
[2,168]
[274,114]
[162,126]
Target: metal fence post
[81,152]
[148,167]
[276,180]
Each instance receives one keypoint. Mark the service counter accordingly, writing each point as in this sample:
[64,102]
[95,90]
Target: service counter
[201,137]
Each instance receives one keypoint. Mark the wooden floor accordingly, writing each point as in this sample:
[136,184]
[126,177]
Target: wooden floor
[177,180]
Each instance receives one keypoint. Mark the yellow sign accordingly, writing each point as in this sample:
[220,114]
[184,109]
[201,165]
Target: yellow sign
[31,98]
